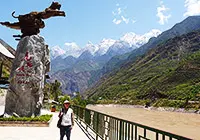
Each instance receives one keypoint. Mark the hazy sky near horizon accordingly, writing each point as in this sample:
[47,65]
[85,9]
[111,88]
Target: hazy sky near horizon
[93,20]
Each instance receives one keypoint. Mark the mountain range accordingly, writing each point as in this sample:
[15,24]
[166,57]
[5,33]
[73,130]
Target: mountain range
[112,62]
[91,60]
[133,40]
[168,74]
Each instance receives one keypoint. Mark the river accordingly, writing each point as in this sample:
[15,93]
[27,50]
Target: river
[184,124]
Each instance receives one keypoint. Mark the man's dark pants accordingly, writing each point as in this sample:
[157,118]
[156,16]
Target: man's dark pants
[65,130]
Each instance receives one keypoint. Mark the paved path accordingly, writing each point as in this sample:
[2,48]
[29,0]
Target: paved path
[38,133]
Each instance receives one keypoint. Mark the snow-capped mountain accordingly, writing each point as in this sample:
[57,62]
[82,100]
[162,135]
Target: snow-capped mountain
[136,41]
[129,39]
[103,46]
[118,48]
[90,47]
[56,51]
[72,49]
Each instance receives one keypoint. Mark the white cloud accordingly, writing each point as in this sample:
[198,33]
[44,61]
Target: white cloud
[120,15]
[163,18]
[133,21]
[117,21]
[193,7]
[114,13]
[126,20]
[119,11]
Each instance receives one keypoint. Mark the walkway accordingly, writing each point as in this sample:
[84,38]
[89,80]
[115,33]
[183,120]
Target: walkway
[38,133]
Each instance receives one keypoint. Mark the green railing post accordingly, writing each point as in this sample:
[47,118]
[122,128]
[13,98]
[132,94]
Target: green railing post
[135,132]
[145,132]
[128,131]
[97,126]
[87,118]
[120,130]
[156,135]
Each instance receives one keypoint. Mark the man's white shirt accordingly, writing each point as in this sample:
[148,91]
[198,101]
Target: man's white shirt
[67,118]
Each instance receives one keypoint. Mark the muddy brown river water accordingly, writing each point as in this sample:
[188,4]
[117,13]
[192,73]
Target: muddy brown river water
[184,124]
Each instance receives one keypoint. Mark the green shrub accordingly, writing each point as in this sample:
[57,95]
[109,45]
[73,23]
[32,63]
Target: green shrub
[170,103]
[105,101]
[42,118]
[61,99]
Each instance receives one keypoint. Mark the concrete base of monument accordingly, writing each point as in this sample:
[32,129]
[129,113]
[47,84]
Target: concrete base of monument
[24,124]
[14,123]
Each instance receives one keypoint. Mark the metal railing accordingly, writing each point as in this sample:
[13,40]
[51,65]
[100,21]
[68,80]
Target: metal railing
[107,127]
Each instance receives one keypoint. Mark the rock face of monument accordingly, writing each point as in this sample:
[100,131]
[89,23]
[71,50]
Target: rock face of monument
[31,62]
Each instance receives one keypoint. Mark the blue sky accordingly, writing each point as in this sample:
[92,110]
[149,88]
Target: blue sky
[93,20]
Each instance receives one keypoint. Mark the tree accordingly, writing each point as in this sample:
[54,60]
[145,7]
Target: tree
[78,100]
[47,91]
[55,88]
[63,98]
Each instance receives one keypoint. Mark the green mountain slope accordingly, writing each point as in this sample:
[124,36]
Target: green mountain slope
[7,62]
[169,71]
[6,66]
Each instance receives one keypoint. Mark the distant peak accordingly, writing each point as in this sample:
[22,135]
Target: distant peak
[137,40]
[56,51]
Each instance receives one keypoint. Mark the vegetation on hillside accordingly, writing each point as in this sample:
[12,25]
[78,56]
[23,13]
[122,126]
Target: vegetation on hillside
[7,63]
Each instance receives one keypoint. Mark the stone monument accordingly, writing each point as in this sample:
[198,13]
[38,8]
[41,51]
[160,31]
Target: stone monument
[25,92]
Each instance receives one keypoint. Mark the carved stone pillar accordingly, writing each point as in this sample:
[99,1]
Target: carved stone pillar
[25,93]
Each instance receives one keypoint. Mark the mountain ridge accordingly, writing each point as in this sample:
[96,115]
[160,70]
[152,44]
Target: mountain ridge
[132,39]
[169,71]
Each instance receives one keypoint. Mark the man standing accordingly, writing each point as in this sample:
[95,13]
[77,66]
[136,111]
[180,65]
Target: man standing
[67,116]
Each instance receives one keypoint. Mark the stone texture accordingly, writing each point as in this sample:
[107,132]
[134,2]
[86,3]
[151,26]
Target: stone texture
[25,93]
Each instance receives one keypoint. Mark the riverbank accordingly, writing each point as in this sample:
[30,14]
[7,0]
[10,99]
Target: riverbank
[182,123]
[167,109]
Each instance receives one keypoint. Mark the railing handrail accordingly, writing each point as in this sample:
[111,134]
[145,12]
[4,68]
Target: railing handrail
[139,125]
